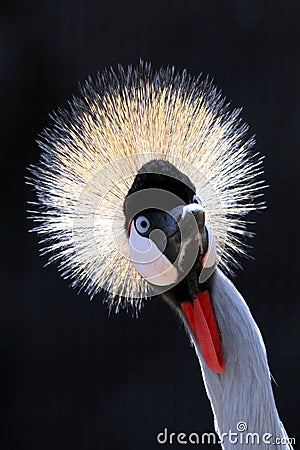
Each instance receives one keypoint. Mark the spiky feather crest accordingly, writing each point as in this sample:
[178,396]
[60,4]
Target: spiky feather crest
[95,148]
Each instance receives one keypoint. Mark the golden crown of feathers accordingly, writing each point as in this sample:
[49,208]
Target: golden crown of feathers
[94,150]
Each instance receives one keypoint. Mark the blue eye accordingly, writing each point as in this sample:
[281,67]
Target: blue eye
[142,224]
[196,199]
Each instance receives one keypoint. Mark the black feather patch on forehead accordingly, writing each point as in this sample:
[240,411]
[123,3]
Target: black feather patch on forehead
[159,174]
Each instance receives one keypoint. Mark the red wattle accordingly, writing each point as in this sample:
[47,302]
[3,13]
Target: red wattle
[202,320]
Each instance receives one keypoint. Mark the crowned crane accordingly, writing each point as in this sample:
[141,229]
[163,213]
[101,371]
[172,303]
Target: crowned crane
[142,189]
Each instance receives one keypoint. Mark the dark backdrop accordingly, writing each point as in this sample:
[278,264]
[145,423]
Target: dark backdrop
[71,377]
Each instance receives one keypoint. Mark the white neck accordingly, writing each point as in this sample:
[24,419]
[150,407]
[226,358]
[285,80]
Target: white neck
[243,393]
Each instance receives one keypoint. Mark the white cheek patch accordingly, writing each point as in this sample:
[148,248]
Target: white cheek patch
[148,260]
[210,257]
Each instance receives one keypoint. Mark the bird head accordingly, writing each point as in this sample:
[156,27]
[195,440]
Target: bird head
[165,223]
[118,182]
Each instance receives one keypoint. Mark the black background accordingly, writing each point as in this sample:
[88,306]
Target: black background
[72,377]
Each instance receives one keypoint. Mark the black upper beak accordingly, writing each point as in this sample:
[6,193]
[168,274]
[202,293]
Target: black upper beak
[185,238]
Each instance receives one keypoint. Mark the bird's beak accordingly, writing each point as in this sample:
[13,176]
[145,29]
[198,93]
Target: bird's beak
[188,242]
[173,247]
